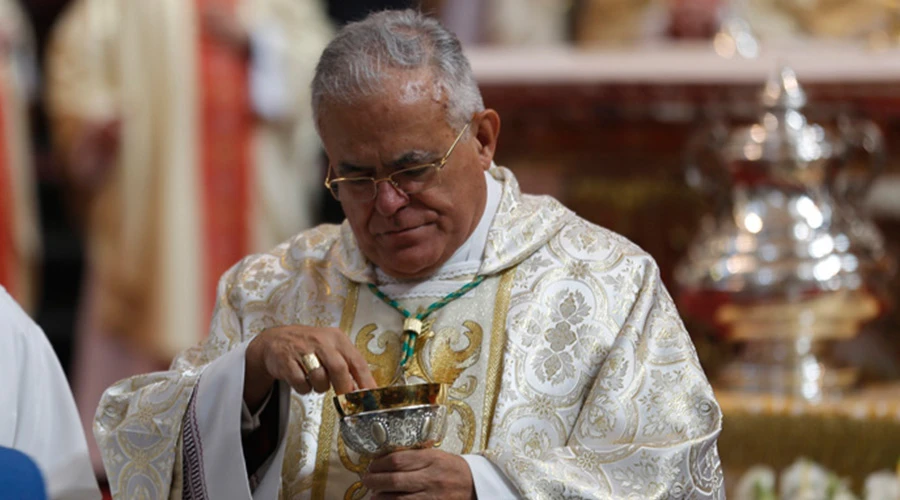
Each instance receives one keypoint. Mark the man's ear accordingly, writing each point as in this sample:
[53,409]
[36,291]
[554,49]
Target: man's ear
[487,130]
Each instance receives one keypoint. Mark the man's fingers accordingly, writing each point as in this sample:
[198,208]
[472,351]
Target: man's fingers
[361,372]
[318,379]
[336,368]
[402,461]
[394,482]
[343,367]
[357,365]
[420,474]
[400,496]
[296,378]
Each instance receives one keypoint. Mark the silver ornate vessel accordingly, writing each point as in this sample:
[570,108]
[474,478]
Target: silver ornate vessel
[376,422]
[381,432]
[788,265]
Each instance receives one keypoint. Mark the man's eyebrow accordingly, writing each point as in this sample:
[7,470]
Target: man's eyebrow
[347,168]
[407,159]
[414,157]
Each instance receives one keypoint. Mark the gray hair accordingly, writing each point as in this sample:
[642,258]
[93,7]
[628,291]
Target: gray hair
[362,55]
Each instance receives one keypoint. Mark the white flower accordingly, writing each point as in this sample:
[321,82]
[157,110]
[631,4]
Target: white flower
[807,480]
[758,483]
[804,480]
[882,486]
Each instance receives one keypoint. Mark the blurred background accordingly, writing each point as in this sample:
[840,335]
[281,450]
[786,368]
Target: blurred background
[703,130]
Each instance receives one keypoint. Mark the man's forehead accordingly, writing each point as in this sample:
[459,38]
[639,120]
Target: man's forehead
[413,130]
[403,123]
[396,88]
[420,86]
[378,120]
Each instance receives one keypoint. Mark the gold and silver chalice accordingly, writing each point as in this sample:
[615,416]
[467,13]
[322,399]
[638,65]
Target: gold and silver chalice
[375,422]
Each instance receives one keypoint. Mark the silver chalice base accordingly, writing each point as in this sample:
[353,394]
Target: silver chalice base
[800,367]
[380,432]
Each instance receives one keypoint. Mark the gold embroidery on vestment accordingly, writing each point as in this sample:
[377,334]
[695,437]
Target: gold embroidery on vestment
[329,414]
[495,360]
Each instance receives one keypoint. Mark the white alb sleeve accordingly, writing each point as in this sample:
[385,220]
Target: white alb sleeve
[490,482]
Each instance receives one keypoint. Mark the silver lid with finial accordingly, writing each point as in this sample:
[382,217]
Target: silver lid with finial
[783,91]
[782,135]
[786,266]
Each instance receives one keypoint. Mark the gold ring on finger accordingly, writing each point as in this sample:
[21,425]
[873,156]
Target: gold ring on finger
[309,362]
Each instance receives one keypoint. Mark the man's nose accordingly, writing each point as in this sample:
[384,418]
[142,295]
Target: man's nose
[389,198]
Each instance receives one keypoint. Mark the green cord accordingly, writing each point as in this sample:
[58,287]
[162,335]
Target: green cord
[409,340]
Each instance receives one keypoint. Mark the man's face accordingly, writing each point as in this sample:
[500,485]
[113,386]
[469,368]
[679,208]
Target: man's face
[409,236]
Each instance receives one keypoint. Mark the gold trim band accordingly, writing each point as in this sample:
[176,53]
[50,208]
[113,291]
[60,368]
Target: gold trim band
[329,414]
[495,360]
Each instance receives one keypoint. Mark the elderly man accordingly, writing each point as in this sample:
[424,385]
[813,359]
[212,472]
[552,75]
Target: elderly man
[571,374]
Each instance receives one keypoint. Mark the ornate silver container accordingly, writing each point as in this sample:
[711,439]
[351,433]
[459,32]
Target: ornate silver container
[381,432]
[788,264]
[379,421]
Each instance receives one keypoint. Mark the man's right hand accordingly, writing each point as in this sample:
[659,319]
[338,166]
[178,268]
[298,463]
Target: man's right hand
[275,355]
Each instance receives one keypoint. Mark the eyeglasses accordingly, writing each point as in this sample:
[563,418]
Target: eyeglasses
[410,180]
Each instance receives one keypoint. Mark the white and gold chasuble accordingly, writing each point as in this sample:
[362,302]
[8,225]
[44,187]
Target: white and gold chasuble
[570,370]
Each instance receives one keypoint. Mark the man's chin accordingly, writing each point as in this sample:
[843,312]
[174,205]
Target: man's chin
[409,263]
[411,254]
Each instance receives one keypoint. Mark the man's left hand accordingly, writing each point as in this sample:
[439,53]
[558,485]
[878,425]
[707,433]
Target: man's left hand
[420,474]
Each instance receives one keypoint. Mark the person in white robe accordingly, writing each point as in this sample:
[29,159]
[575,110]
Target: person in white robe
[570,372]
[187,136]
[37,410]
[19,230]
